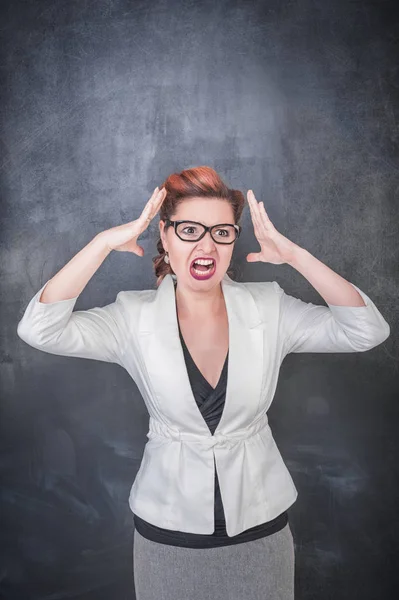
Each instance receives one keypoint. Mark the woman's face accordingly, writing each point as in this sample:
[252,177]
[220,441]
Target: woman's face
[208,211]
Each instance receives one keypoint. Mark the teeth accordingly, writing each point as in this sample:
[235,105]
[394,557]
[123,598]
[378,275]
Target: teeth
[204,261]
[199,272]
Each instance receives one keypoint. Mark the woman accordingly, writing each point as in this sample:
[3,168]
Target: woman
[211,496]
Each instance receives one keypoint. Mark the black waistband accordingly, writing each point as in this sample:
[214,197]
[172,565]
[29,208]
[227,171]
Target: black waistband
[218,538]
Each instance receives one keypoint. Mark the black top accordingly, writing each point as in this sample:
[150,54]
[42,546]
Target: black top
[210,401]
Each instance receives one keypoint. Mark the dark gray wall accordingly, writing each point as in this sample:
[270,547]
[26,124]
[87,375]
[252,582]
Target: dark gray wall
[100,102]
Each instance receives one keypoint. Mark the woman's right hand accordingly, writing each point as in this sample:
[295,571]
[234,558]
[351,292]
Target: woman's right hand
[123,238]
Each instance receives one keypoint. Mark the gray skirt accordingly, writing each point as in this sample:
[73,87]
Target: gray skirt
[261,569]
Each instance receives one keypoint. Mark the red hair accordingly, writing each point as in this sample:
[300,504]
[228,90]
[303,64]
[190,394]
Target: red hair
[202,182]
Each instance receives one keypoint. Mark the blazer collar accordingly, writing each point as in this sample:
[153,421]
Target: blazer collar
[163,314]
[159,341]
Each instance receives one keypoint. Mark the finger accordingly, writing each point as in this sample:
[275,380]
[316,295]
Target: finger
[153,196]
[264,224]
[253,205]
[158,202]
[267,224]
[162,196]
[147,211]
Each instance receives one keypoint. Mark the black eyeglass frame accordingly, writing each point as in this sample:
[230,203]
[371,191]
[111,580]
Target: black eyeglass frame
[238,229]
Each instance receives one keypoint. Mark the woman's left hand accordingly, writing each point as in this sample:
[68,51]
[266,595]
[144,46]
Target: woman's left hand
[275,247]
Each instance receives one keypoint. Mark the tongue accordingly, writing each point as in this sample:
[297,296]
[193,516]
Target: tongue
[201,267]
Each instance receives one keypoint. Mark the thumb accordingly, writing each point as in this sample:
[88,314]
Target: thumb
[135,248]
[253,257]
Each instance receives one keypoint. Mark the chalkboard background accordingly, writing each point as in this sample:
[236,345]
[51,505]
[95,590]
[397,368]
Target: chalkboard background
[101,101]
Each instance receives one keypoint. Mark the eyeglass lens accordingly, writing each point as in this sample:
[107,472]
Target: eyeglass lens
[192,231]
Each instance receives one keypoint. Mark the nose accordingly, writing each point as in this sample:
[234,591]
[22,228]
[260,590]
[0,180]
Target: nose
[207,241]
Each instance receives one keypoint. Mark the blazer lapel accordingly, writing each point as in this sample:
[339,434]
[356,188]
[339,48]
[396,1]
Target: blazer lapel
[162,352]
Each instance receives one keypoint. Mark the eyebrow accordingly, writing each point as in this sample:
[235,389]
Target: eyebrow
[200,223]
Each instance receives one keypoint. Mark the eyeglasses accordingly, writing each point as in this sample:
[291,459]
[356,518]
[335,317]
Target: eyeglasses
[192,231]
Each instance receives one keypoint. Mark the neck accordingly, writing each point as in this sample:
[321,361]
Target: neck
[199,305]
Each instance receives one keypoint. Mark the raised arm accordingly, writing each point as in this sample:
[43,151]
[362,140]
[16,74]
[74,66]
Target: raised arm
[49,323]
[350,322]
[307,327]
[101,333]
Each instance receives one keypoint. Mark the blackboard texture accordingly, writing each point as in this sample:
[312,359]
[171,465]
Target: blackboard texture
[100,102]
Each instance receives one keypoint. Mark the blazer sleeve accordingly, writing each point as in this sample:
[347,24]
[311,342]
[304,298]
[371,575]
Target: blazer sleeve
[307,327]
[98,333]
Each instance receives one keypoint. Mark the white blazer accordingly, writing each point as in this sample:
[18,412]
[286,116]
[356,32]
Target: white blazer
[174,487]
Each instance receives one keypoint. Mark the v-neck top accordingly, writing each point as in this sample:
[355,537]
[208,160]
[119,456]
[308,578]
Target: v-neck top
[210,402]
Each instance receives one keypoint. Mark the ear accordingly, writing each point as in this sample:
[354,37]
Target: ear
[161,233]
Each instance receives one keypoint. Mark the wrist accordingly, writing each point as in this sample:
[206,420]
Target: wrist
[100,242]
[297,255]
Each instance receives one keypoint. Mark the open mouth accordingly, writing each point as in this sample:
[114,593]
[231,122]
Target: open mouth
[203,268]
